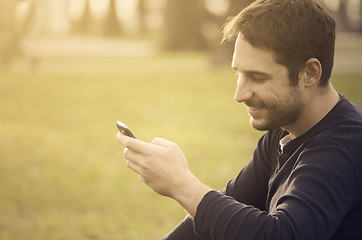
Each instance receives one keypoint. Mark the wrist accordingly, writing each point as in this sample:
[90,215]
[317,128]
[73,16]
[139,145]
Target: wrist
[190,194]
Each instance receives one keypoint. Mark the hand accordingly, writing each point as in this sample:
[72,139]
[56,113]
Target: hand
[161,164]
[163,167]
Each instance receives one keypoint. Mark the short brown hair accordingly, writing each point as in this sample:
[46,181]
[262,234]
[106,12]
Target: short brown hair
[295,30]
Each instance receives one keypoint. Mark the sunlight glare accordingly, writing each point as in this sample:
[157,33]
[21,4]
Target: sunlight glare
[76,9]
[22,10]
[217,7]
[332,5]
[126,9]
[99,8]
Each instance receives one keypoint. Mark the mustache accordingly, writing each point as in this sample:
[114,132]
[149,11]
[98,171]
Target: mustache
[254,104]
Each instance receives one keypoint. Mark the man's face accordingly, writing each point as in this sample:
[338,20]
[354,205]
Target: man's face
[264,86]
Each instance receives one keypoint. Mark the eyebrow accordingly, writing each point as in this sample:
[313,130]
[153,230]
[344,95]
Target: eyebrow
[254,72]
[259,73]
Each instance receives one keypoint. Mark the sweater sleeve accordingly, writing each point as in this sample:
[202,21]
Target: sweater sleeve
[311,203]
[250,186]
[184,230]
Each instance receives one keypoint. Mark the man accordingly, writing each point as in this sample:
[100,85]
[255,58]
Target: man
[305,178]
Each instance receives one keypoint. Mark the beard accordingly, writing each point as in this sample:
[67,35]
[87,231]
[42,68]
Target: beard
[279,112]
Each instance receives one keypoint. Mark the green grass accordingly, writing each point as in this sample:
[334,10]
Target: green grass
[62,172]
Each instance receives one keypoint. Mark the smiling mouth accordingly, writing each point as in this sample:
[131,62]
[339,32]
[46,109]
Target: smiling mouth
[254,108]
[255,112]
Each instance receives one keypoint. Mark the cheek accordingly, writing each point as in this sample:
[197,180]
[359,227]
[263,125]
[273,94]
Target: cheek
[271,99]
[277,101]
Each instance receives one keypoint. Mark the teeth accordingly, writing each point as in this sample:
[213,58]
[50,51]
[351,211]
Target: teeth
[254,108]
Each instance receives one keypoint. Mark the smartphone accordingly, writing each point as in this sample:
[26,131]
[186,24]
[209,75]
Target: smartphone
[124,129]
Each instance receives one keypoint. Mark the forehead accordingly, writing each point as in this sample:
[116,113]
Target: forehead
[249,58]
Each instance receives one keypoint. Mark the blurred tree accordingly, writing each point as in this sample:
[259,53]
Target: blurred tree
[347,14]
[83,25]
[360,18]
[183,22]
[141,13]
[222,54]
[11,33]
[112,26]
[342,15]
[237,5]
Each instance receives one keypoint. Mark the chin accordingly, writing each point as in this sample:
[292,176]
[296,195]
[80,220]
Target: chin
[258,125]
[262,125]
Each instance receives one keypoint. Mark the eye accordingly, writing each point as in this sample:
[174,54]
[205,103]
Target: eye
[257,77]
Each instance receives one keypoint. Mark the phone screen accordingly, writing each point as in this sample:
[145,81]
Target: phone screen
[124,129]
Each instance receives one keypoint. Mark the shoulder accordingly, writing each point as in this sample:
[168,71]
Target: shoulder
[347,112]
[342,128]
[337,148]
[335,143]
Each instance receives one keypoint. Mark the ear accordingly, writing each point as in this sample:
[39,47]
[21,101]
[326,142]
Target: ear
[311,73]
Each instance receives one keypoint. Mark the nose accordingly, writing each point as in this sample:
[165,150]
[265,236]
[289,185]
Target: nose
[243,90]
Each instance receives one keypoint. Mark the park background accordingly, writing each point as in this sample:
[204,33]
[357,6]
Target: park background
[70,69]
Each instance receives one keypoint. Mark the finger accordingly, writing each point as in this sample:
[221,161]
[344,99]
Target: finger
[140,177]
[133,144]
[134,157]
[133,166]
[162,142]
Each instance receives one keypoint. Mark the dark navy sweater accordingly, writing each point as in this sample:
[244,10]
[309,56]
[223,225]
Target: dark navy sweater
[311,188]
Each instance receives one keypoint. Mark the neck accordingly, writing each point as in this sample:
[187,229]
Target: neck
[317,105]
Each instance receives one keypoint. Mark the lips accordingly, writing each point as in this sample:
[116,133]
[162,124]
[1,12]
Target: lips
[254,108]
[255,111]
